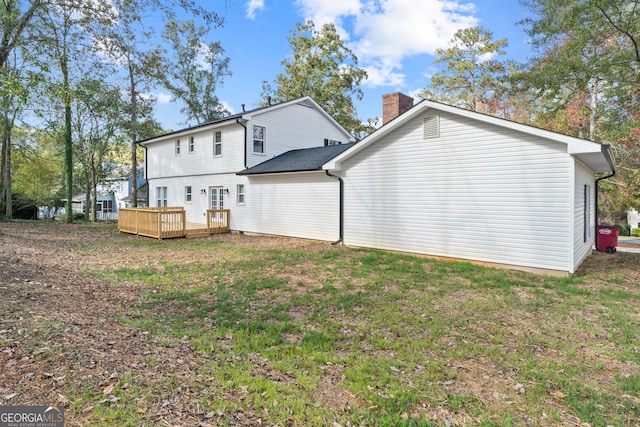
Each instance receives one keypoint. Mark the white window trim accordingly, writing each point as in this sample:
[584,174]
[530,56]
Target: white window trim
[216,143]
[240,194]
[192,145]
[188,194]
[264,141]
[160,197]
[177,147]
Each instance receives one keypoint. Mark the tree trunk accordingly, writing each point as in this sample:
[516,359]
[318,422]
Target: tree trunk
[68,147]
[9,181]
[134,135]
[3,161]
[94,190]
[593,110]
[87,203]
[5,181]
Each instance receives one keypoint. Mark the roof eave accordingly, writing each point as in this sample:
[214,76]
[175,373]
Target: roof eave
[186,131]
[279,172]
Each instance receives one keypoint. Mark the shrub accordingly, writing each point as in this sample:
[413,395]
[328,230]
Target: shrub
[623,230]
[636,232]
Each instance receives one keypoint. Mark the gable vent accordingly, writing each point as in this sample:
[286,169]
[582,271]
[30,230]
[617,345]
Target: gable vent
[431,127]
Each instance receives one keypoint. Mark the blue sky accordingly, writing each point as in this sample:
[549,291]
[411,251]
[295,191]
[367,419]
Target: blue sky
[394,41]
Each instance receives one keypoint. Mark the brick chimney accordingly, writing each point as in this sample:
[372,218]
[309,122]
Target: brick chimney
[394,104]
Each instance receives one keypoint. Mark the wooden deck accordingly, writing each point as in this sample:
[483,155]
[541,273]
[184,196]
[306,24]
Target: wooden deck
[170,222]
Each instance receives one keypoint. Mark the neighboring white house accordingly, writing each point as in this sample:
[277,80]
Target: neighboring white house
[197,168]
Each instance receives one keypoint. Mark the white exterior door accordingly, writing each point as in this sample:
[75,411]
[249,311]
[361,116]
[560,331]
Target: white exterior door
[216,198]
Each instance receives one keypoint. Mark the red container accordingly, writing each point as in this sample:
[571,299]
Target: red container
[607,238]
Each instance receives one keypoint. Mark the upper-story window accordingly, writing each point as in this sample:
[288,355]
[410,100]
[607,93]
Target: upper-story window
[192,145]
[177,147]
[217,143]
[259,137]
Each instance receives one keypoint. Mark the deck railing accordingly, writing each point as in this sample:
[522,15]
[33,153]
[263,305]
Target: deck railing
[160,223]
[218,220]
[165,223]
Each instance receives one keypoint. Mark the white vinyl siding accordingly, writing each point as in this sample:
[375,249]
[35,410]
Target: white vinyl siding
[200,201]
[160,163]
[289,128]
[477,192]
[582,247]
[297,205]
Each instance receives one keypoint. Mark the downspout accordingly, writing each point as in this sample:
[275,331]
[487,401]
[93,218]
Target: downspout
[245,140]
[605,149]
[341,233]
[146,174]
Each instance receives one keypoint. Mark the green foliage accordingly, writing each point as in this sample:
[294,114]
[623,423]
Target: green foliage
[323,67]
[195,71]
[585,79]
[37,167]
[635,232]
[623,229]
[471,73]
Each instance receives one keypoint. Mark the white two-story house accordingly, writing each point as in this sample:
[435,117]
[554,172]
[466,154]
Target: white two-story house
[197,167]
[434,180]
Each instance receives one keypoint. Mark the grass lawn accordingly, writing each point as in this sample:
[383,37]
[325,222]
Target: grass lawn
[274,331]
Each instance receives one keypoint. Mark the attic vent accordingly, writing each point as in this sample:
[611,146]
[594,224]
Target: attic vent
[431,127]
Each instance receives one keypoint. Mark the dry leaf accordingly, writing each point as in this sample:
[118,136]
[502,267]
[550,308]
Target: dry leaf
[108,389]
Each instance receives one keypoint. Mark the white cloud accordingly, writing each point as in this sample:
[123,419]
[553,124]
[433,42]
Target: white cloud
[329,11]
[253,6]
[163,98]
[228,107]
[385,32]
[383,74]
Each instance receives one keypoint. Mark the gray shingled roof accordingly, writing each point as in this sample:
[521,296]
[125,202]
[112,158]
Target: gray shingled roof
[308,159]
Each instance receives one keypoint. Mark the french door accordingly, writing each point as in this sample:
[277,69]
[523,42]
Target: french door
[216,198]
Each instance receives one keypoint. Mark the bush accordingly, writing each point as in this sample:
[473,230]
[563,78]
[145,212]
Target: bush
[636,232]
[623,230]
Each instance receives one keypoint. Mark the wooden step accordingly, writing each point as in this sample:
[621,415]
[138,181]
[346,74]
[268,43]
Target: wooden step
[197,234]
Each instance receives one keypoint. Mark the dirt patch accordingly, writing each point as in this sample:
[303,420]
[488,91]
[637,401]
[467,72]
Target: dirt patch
[84,342]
